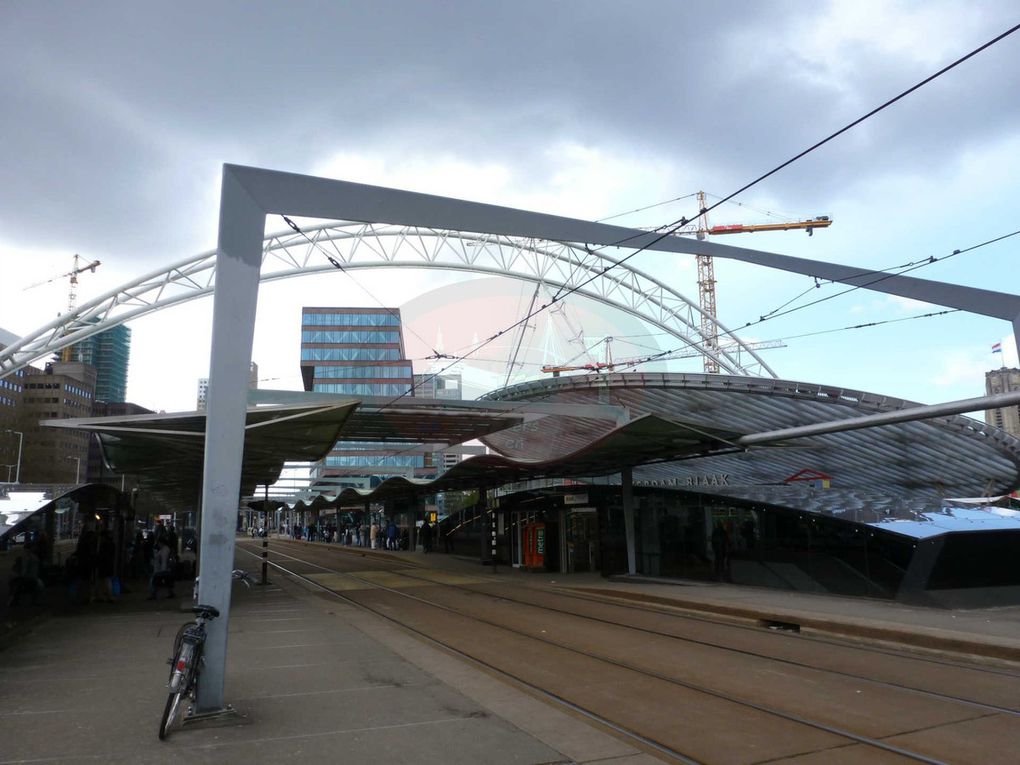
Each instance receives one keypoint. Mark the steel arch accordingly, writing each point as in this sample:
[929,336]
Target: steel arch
[595,275]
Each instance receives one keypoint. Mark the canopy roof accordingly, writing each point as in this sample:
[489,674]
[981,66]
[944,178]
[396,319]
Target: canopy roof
[684,434]
[166,451]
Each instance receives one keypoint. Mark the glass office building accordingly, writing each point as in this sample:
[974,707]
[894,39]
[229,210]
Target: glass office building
[358,352]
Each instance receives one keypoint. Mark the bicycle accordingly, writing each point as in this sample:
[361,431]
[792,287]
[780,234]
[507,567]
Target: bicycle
[187,661]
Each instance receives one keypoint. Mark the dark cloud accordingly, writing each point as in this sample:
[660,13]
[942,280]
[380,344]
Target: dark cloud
[117,115]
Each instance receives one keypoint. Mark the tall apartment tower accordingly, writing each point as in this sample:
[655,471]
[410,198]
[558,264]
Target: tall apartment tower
[109,352]
[1003,381]
[203,386]
[358,352]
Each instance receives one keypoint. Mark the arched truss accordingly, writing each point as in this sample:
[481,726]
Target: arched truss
[365,245]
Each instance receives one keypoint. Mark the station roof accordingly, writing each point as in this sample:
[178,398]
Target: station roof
[166,451]
[683,434]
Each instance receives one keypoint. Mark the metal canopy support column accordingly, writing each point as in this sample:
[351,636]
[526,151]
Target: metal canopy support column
[242,222]
[627,495]
[249,193]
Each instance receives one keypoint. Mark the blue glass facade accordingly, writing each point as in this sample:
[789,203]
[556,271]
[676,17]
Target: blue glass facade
[358,352]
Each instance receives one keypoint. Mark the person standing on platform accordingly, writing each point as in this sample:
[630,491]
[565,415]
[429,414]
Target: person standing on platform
[105,566]
[426,536]
[373,534]
[85,554]
[162,569]
[391,535]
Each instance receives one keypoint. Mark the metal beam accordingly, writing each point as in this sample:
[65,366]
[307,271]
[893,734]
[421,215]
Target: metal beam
[274,190]
[372,403]
[239,256]
[248,194]
[883,418]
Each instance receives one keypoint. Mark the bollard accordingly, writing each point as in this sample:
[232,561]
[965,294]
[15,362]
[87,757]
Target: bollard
[265,559]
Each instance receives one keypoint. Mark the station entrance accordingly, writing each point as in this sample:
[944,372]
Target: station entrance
[554,538]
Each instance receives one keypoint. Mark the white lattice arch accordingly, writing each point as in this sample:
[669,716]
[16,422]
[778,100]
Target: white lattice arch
[362,245]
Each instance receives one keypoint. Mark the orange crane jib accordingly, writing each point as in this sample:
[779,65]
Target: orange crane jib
[810,225]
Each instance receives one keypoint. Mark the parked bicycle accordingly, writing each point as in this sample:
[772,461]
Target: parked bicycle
[187,661]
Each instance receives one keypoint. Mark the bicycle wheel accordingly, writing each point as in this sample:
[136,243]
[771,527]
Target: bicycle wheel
[173,705]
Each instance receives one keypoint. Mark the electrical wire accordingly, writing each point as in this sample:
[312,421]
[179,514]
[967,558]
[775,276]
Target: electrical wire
[648,207]
[671,228]
[858,121]
[904,269]
[336,264]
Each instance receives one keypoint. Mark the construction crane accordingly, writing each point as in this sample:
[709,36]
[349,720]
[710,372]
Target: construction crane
[706,268]
[72,292]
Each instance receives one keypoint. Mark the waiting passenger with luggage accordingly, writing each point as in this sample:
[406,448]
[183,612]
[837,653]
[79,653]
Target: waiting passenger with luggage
[163,565]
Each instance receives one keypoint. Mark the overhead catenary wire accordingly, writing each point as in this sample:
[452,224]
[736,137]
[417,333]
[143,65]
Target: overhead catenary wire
[858,121]
[670,229]
[339,267]
[881,276]
[667,355]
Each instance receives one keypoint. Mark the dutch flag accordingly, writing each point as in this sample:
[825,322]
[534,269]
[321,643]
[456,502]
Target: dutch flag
[997,348]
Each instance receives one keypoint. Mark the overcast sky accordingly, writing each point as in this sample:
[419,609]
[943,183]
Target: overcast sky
[118,116]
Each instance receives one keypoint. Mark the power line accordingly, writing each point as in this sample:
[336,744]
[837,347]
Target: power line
[899,270]
[672,228]
[336,264]
[858,121]
[647,207]
[676,225]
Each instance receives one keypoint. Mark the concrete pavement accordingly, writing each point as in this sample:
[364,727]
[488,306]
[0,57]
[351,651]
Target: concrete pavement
[316,680]
[312,680]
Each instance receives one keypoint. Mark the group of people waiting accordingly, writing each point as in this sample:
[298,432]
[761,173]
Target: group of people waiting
[376,535]
[26,572]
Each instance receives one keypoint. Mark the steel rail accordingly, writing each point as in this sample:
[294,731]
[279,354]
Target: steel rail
[858,738]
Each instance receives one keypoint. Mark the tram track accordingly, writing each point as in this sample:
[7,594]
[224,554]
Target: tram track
[908,662]
[648,739]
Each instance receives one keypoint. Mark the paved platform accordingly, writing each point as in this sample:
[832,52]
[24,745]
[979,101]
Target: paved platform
[312,680]
[315,680]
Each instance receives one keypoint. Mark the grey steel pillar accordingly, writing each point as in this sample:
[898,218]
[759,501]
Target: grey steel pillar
[482,526]
[627,495]
[239,256]
[1016,335]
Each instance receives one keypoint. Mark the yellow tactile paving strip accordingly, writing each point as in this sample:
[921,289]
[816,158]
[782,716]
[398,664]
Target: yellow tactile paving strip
[446,577]
[362,580]
[336,582]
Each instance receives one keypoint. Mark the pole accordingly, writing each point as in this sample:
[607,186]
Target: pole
[21,441]
[265,539]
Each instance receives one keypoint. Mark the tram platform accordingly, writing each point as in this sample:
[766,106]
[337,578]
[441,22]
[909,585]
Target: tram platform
[314,680]
[311,680]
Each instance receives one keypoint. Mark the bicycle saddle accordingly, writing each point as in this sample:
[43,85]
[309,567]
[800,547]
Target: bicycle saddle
[209,610]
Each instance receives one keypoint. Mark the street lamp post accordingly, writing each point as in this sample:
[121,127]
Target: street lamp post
[77,468]
[21,441]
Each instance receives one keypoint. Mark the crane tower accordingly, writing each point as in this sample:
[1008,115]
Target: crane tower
[706,269]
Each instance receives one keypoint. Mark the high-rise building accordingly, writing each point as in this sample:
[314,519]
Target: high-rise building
[1003,381]
[447,387]
[203,386]
[358,352]
[62,390]
[109,352]
[11,435]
